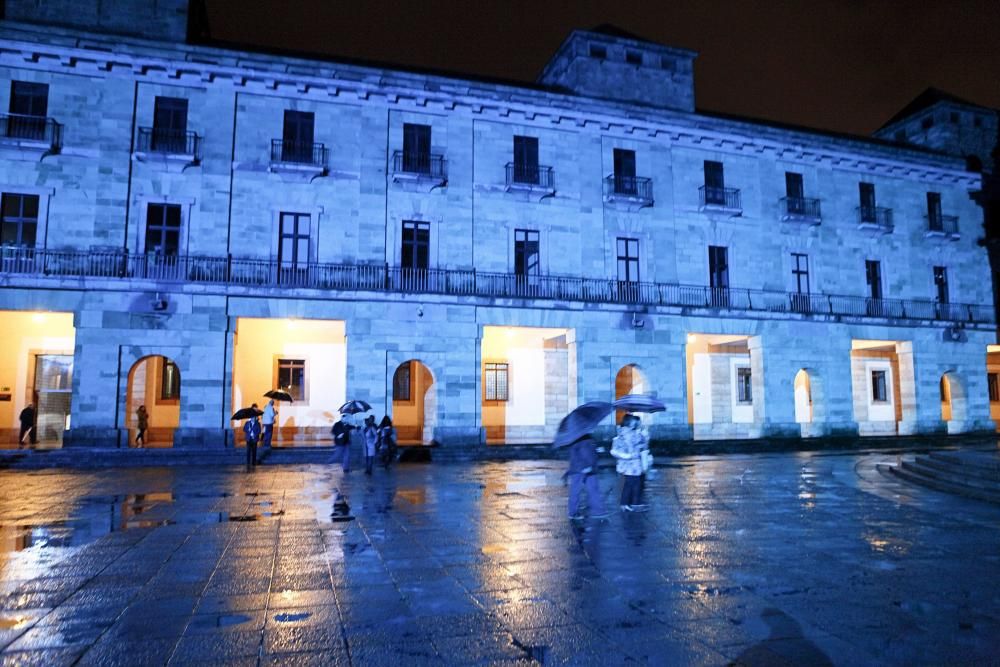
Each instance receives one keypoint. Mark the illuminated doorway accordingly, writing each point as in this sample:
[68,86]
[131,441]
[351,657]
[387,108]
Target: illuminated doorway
[630,380]
[154,384]
[414,403]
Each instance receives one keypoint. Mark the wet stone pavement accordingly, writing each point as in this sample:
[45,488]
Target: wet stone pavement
[758,560]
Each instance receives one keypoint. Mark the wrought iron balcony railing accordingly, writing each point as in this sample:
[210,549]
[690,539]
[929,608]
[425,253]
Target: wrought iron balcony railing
[530,175]
[235,271]
[726,199]
[31,128]
[634,188]
[946,225]
[168,142]
[298,153]
[877,217]
[427,165]
[800,208]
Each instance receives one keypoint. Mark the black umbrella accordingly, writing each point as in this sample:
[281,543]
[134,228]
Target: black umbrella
[246,413]
[279,395]
[639,403]
[581,422]
[354,407]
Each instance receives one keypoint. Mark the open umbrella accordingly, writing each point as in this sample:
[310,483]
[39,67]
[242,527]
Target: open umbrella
[580,422]
[639,403]
[246,413]
[353,408]
[279,395]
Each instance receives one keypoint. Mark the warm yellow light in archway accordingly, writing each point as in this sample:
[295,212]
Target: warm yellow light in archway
[38,318]
[692,338]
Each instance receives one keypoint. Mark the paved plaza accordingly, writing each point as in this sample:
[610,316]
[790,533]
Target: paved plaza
[796,558]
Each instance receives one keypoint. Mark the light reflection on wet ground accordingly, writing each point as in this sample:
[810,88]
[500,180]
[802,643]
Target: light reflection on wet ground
[810,559]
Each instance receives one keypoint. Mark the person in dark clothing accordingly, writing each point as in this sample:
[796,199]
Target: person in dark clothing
[251,429]
[342,441]
[142,423]
[27,418]
[582,475]
[386,441]
[369,438]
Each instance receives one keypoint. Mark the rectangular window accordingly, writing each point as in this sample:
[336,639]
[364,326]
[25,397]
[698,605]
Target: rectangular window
[866,192]
[941,283]
[633,58]
[29,104]
[416,245]
[416,148]
[170,381]
[879,391]
[297,137]
[292,377]
[873,277]
[744,385]
[170,125]
[625,183]
[293,241]
[163,229]
[934,220]
[18,220]
[526,261]
[994,387]
[401,382]
[525,159]
[598,51]
[795,192]
[628,260]
[495,382]
[715,183]
[800,272]
[718,267]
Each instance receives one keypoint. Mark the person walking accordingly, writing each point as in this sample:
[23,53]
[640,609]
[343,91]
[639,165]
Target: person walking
[342,440]
[142,423]
[369,438]
[627,449]
[582,475]
[267,423]
[27,419]
[386,441]
[251,429]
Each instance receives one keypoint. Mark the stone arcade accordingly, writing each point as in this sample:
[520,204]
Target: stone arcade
[186,226]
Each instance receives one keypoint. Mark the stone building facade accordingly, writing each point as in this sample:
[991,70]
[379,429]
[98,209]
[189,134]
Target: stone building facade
[201,224]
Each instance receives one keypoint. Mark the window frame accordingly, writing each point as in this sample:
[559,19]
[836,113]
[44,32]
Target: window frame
[170,382]
[800,272]
[419,232]
[524,268]
[496,370]
[399,396]
[993,387]
[291,364]
[625,259]
[526,168]
[873,279]
[298,136]
[160,225]
[296,236]
[744,385]
[169,131]
[879,388]
[20,221]
[941,291]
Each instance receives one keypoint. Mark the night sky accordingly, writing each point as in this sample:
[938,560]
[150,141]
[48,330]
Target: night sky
[843,65]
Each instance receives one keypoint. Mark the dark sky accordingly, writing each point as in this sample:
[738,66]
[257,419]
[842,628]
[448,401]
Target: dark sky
[844,65]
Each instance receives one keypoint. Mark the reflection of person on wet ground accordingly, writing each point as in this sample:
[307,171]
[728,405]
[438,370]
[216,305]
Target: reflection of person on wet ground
[627,449]
[251,429]
[582,475]
[369,438]
[386,441]
[342,441]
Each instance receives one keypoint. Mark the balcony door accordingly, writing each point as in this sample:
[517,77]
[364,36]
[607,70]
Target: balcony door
[715,184]
[628,269]
[416,148]
[873,278]
[625,183]
[415,255]
[718,275]
[293,248]
[29,105]
[795,193]
[526,160]
[526,260]
[170,125]
[866,192]
[297,137]
[800,276]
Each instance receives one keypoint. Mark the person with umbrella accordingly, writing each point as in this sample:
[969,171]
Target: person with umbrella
[251,431]
[627,447]
[582,475]
[342,440]
[271,414]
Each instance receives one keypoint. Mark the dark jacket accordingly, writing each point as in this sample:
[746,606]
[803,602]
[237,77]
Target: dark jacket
[252,429]
[583,456]
[341,433]
[27,417]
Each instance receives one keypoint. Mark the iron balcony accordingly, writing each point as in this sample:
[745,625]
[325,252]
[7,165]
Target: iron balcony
[720,199]
[631,188]
[169,142]
[37,129]
[262,273]
[800,208]
[298,153]
[530,176]
[942,225]
[430,166]
[875,217]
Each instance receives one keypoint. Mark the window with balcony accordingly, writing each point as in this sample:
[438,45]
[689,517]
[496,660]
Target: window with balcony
[293,246]
[939,224]
[415,255]
[796,206]
[525,171]
[714,194]
[18,220]
[624,184]
[417,148]
[291,375]
[297,144]
[941,284]
[526,256]
[29,104]
[718,275]
[495,381]
[873,279]
[800,279]
[870,215]
[163,229]
[169,133]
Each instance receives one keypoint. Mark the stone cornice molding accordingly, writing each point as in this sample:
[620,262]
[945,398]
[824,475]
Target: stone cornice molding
[505,103]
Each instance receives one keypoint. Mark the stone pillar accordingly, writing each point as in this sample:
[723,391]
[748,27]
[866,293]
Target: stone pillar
[919,394]
[773,389]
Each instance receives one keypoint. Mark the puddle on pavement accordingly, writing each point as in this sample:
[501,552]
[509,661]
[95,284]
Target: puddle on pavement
[494,549]
[292,617]
[220,621]
[413,496]
[14,623]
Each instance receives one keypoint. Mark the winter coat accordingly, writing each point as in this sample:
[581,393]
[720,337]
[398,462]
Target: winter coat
[252,430]
[370,437]
[627,447]
[342,434]
[583,456]
[27,417]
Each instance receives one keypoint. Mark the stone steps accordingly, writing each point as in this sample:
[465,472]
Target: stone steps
[968,474]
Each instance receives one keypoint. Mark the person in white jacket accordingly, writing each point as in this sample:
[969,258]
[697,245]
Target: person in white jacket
[627,449]
[267,421]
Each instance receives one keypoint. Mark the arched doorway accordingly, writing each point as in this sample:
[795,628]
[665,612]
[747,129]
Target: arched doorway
[414,403]
[629,380]
[154,382]
[803,398]
[810,406]
[954,407]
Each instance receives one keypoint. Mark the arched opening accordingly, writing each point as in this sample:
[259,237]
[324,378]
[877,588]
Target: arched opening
[154,384]
[414,403]
[954,406]
[629,380]
[803,398]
